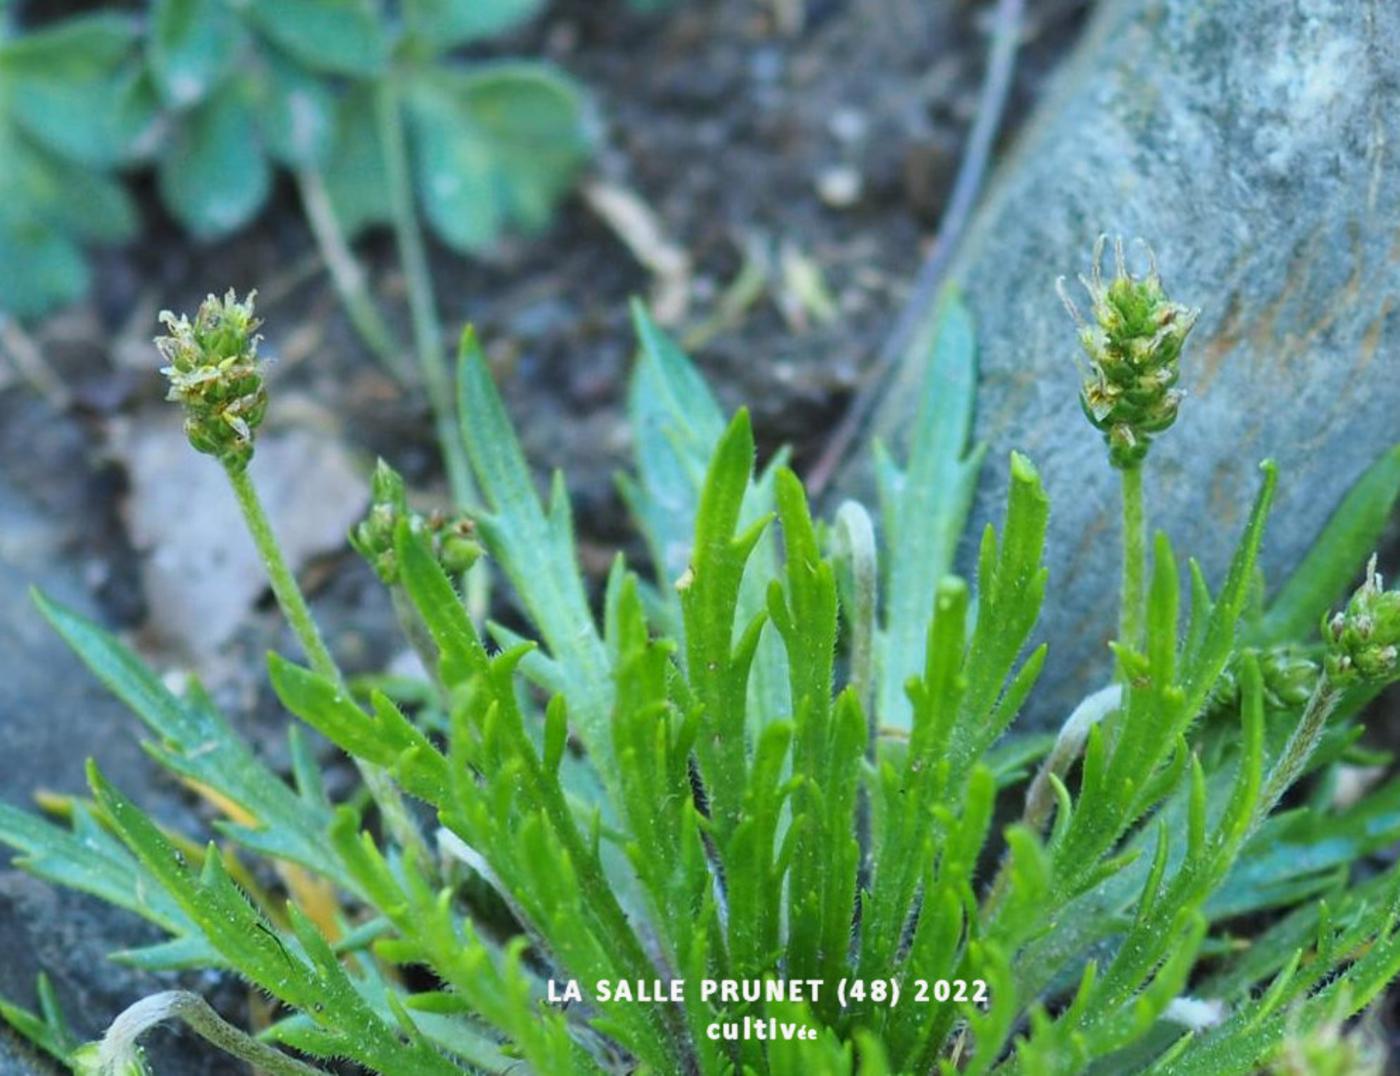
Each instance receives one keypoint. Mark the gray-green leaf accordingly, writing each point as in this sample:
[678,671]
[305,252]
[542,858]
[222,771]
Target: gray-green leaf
[495,147]
[298,113]
[216,176]
[190,45]
[61,83]
[443,24]
[338,36]
[355,178]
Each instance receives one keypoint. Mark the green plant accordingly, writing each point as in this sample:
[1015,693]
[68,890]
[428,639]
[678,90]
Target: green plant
[317,86]
[361,103]
[71,110]
[715,782]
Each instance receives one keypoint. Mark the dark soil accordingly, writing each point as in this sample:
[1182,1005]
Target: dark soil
[727,127]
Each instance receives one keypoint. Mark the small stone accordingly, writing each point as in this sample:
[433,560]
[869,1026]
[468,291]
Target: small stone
[840,186]
[848,125]
[201,572]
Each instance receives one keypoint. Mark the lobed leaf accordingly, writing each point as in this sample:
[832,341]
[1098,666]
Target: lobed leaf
[195,742]
[924,508]
[215,177]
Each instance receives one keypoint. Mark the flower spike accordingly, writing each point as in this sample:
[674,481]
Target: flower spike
[1133,341]
[214,371]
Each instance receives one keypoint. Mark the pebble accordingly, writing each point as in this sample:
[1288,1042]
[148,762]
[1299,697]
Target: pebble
[848,125]
[840,186]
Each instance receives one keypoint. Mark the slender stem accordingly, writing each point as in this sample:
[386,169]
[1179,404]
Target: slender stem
[118,1051]
[279,574]
[346,273]
[1040,795]
[427,327]
[1132,617]
[1069,744]
[293,605]
[416,632]
[1300,746]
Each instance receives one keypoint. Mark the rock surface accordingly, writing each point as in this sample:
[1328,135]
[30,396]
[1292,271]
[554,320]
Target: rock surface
[201,573]
[1257,155]
[52,715]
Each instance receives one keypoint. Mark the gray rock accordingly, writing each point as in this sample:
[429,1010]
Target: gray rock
[53,714]
[1256,152]
[18,1059]
[202,573]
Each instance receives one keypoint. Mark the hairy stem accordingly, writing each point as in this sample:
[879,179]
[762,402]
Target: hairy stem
[119,1048]
[427,327]
[346,273]
[418,636]
[1300,746]
[1069,745]
[279,574]
[293,605]
[1131,618]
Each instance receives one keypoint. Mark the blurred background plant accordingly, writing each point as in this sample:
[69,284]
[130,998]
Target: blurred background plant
[60,146]
[216,96]
[362,104]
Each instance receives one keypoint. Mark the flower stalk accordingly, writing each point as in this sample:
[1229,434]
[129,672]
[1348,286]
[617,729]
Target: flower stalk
[346,273]
[427,327]
[1302,741]
[293,605]
[1131,619]
[1133,342]
[279,575]
[215,372]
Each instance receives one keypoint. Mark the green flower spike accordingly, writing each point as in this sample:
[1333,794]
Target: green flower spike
[214,371]
[1133,344]
[1363,640]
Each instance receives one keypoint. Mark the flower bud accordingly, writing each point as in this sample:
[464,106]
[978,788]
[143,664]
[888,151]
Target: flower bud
[1363,640]
[214,371]
[1287,677]
[457,550]
[1133,343]
[452,539]
[373,536]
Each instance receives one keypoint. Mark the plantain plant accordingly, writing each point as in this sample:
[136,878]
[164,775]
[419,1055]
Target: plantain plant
[765,809]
